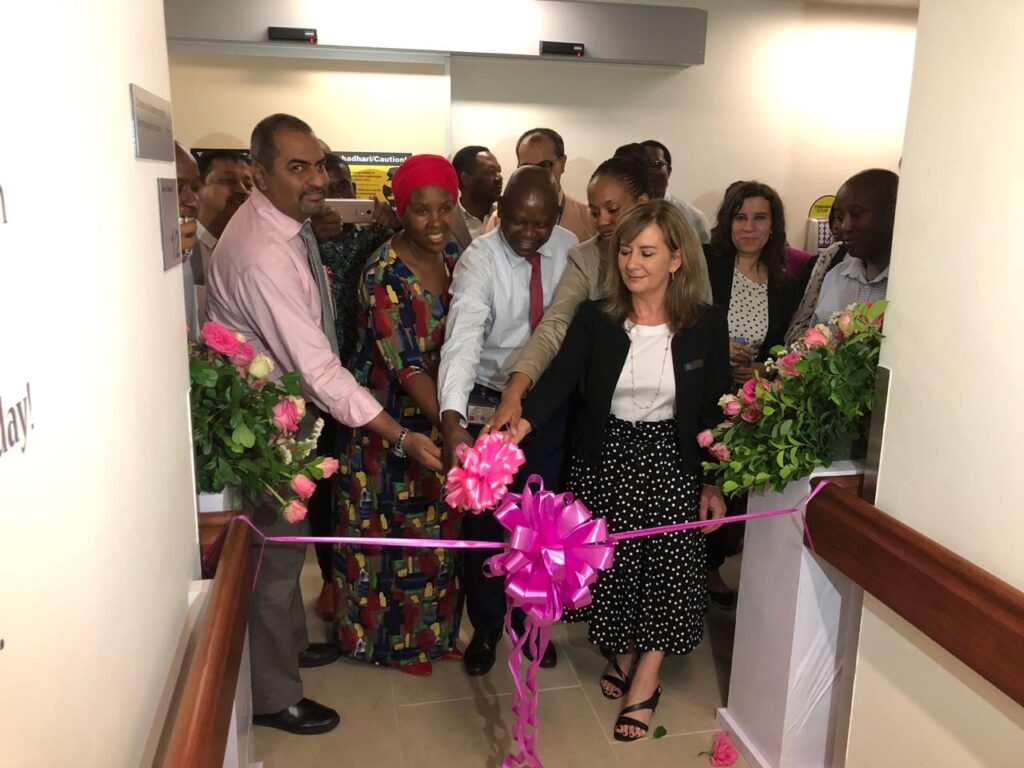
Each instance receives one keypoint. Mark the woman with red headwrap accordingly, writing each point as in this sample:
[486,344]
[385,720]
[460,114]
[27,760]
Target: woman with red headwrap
[397,607]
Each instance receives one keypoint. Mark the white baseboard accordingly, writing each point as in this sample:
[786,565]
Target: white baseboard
[739,738]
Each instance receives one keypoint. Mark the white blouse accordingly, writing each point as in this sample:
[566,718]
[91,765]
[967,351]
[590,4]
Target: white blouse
[649,365]
[748,310]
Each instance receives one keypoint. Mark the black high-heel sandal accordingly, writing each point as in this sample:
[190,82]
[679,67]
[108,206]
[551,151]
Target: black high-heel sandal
[624,679]
[651,704]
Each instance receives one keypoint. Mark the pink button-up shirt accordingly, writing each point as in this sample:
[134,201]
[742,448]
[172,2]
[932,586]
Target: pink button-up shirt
[260,285]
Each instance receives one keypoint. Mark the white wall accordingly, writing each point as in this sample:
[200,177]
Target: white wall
[352,105]
[97,518]
[952,451]
[748,112]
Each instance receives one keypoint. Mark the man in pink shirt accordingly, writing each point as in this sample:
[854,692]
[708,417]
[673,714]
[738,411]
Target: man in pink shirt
[268,283]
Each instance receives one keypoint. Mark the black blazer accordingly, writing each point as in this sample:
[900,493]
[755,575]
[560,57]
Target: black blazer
[591,358]
[783,298]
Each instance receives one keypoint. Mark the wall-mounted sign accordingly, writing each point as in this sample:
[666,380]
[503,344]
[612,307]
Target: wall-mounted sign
[170,231]
[16,421]
[822,207]
[372,172]
[151,126]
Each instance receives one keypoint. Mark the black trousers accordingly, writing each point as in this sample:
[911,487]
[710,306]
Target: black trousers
[322,505]
[728,539]
[485,597]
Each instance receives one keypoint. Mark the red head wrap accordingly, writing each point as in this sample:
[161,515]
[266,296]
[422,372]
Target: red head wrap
[423,171]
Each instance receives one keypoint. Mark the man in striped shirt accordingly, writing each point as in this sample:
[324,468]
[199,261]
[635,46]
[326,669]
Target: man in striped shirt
[500,288]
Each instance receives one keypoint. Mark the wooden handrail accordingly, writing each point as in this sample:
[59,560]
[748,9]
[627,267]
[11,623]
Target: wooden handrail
[200,732]
[965,609]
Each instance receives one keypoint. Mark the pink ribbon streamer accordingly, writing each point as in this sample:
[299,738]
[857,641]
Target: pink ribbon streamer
[555,551]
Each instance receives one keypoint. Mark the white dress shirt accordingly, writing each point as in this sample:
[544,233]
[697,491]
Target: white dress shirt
[202,256]
[489,315]
[845,284]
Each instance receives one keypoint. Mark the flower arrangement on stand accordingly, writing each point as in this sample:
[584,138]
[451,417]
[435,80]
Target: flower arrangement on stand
[811,404]
[245,427]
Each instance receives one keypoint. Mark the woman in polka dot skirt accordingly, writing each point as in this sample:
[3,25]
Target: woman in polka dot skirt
[650,362]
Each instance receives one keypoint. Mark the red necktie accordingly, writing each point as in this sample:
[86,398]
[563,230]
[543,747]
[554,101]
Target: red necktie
[536,291]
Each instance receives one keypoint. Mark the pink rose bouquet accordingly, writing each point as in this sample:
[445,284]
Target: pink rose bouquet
[246,428]
[810,406]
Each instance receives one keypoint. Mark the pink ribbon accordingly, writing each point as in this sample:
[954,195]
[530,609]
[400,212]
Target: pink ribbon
[484,472]
[555,551]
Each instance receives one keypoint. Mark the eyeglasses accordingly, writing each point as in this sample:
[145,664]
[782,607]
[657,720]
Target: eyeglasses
[659,164]
[545,164]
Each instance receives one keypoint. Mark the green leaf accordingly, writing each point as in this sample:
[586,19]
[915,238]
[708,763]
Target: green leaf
[659,732]
[243,436]
[729,486]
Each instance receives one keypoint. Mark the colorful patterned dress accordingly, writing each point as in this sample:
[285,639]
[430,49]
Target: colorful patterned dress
[395,606]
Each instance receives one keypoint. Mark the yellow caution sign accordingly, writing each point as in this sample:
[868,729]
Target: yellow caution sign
[822,207]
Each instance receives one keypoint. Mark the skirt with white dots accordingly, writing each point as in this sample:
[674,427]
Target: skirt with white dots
[655,595]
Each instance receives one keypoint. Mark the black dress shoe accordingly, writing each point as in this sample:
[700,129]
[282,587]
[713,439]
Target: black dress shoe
[548,660]
[480,653]
[306,718]
[319,654]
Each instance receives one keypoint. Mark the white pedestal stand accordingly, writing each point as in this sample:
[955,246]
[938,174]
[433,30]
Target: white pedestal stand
[796,633]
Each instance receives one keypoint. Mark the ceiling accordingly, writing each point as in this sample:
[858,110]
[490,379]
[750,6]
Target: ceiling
[873,3]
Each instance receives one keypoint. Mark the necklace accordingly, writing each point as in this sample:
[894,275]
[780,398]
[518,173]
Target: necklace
[632,370]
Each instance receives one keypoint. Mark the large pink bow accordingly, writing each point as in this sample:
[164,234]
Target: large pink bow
[555,552]
[484,472]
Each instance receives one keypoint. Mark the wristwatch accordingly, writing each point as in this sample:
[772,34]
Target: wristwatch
[396,449]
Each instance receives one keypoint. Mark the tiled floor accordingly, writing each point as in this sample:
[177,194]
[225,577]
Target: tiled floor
[450,719]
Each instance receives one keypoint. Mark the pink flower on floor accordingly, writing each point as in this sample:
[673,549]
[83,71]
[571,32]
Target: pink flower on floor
[787,363]
[723,751]
[286,416]
[219,339]
[295,511]
[243,356]
[328,466]
[720,451]
[705,439]
[302,486]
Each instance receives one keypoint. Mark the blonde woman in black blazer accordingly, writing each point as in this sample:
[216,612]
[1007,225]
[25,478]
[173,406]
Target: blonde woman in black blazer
[650,363]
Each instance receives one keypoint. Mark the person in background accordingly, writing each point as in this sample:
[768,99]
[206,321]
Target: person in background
[479,189]
[501,287]
[615,187]
[866,209]
[650,363]
[545,147]
[746,264]
[823,262]
[344,249]
[659,164]
[397,607]
[269,284]
[658,180]
[188,204]
[226,175]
